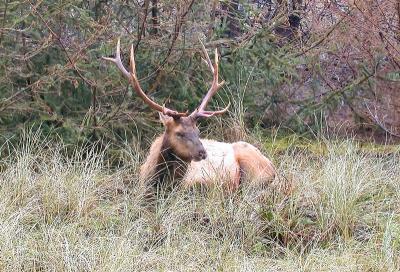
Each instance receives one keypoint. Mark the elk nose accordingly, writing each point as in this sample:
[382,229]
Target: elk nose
[202,154]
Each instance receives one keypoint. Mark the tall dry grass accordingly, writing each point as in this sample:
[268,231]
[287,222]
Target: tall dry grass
[338,210]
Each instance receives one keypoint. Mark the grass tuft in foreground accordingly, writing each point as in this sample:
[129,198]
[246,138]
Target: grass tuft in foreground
[336,210]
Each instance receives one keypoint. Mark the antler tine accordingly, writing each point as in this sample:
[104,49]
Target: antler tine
[207,60]
[215,86]
[117,61]
[131,75]
[211,113]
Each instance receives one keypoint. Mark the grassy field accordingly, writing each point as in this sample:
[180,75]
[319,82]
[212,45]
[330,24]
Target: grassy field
[334,207]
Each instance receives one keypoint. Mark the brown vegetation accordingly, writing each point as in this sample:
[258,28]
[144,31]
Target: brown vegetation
[304,62]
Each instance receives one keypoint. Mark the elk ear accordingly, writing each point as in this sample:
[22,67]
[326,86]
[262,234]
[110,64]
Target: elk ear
[164,118]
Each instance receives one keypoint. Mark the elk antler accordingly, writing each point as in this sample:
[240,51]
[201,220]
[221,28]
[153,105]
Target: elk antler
[215,86]
[131,75]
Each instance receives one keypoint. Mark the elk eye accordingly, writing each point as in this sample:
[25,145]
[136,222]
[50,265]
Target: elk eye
[180,134]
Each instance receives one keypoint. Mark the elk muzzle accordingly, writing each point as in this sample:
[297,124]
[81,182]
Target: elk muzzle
[201,155]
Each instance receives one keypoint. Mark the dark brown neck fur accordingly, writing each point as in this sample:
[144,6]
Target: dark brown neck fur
[169,166]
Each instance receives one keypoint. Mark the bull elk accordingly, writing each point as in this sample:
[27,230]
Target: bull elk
[179,150]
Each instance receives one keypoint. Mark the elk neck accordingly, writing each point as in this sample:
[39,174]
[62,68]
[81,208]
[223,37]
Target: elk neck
[169,163]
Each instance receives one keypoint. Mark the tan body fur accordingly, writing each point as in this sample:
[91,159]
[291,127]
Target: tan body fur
[226,163]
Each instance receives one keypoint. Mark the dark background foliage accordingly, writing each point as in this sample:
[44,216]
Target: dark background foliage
[298,64]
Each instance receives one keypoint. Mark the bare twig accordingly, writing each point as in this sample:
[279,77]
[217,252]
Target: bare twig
[143,25]
[58,38]
[327,34]
[380,121]
[4,19]
[177,29]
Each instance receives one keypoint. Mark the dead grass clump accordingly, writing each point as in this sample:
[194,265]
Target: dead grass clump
[337,210]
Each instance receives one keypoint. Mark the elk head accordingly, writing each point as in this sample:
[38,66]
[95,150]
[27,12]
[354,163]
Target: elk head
[181,134]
